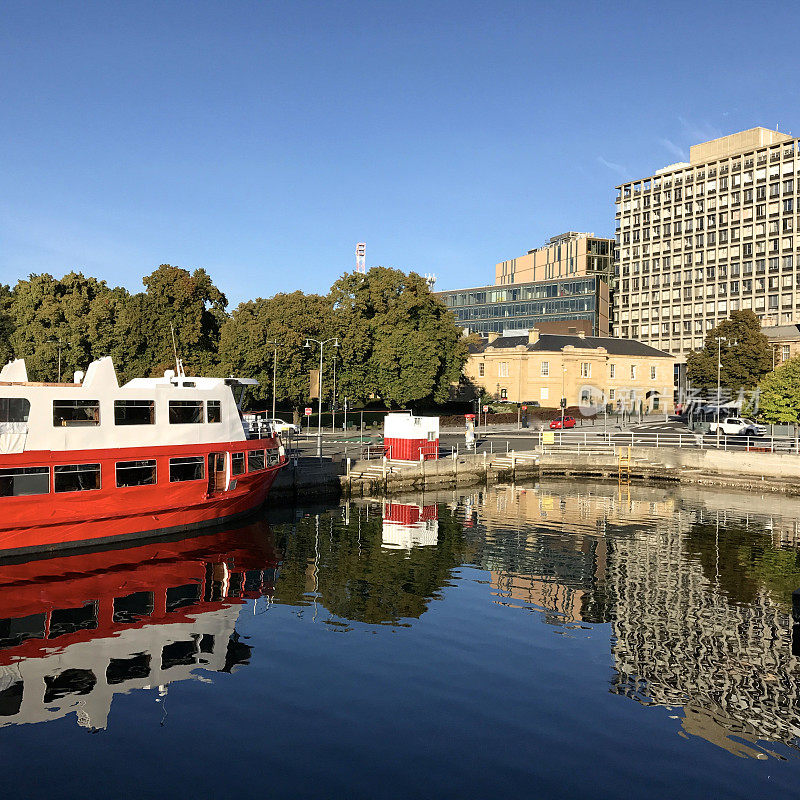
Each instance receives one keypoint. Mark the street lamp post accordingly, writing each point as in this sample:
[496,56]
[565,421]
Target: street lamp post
[720,340]
[563,393]
[333,402]
[274,344]
[321,344]
[60,344]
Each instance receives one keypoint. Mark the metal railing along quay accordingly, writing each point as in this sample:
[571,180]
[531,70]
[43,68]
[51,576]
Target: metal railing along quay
[585,442]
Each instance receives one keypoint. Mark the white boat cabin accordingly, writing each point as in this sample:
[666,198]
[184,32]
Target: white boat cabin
[96,413]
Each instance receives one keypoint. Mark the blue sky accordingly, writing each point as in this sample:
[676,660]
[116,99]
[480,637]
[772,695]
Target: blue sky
[262,140]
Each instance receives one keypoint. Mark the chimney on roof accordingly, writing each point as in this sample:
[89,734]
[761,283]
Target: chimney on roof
[533,336]
[491,336]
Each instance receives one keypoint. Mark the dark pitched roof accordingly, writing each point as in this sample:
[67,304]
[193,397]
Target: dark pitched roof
[550,343]
[782,332]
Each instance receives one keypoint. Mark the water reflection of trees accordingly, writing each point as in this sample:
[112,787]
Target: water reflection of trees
[339,561]
[742,561]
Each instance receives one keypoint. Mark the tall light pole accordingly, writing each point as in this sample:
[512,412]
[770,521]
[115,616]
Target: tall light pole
[60,344]
[274,344]
[333,402]
[321,344]
[720,340]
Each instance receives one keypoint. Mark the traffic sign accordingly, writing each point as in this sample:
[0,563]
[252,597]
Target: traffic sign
[308,411]
[485,409]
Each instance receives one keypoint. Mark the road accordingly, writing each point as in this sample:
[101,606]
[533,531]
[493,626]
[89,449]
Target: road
[499,438]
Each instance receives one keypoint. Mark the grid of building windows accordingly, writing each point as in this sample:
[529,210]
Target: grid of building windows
[494,308]
[699,240]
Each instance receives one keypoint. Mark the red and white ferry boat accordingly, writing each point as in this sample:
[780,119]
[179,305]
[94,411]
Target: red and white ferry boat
[93,462]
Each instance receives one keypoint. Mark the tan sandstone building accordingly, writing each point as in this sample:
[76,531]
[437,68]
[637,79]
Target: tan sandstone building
[529,367]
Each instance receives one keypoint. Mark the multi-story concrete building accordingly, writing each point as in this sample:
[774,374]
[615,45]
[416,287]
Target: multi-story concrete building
[565,281]
[701,239]
[566,255]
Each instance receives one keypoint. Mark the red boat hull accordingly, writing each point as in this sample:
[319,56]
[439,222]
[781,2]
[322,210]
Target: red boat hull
[111,513]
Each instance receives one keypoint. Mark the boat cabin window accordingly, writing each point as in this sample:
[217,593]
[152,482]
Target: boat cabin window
[182,596]
[70,681]
[14,409]
[191,468]
[11,699]
[20,481]
[255,460]
[273,457]
[136,473]
[15,631]
[213,411]
[76,477]
[178,654]
[69,413]
[120,670]
[132,607]
[237,463]
[70,620]
[134,412]
[183,412]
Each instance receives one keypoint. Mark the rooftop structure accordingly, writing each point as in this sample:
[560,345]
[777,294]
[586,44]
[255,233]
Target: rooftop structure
[569,254]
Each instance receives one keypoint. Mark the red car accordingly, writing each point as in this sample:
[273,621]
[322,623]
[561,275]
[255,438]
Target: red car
[569,422]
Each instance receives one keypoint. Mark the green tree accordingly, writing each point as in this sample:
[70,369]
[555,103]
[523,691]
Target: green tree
[245,347]
[399,342]
[6,325]
[48,311]
[746,355]
[779,393]
[176,299]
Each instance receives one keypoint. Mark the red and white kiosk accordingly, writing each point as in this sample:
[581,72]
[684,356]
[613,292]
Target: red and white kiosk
[410,438]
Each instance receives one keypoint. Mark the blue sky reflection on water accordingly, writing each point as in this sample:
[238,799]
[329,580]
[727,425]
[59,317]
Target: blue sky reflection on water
[557,641]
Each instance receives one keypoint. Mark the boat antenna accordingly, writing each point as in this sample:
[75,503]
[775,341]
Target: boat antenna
[175,351]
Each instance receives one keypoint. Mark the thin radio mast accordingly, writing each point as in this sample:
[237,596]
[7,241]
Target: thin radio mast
[361,257]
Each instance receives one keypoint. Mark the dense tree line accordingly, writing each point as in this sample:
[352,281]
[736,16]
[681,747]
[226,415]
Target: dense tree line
[398,343]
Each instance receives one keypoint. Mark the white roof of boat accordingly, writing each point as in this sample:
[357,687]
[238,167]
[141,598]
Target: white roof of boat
[102,371]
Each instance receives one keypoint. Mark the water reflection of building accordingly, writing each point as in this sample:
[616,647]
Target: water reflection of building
[407,525]
[680,641]
[653,563]
[76,630]
[543,549]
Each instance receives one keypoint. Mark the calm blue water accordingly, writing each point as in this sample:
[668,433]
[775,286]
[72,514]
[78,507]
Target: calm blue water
[563,640]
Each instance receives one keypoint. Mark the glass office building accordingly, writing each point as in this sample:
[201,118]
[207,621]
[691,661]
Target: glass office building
[522,306]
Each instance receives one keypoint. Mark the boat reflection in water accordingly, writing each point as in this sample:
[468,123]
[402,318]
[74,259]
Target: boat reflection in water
[76,630]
